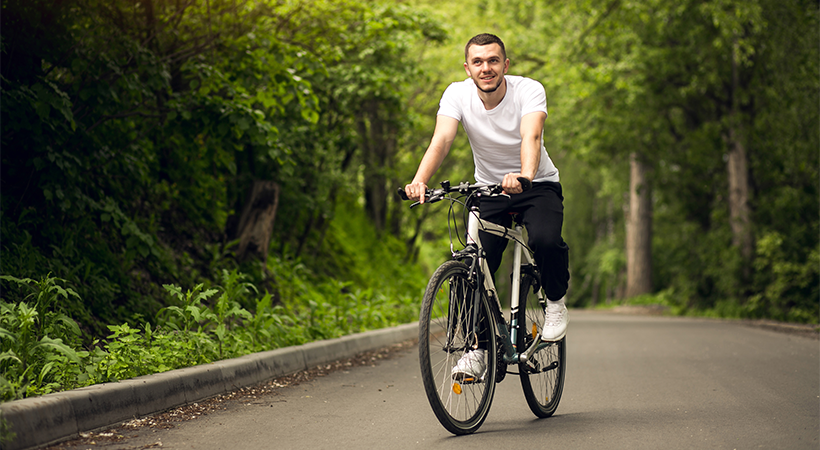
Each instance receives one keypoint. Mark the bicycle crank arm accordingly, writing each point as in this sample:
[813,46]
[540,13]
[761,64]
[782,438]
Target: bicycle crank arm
[536,346]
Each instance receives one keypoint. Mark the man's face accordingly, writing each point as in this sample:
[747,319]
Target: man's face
[486,65]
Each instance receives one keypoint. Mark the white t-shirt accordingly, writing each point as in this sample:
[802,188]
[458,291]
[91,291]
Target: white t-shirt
[495,135]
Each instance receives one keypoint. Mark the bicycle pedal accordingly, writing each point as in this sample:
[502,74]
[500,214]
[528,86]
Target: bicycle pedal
[464,378]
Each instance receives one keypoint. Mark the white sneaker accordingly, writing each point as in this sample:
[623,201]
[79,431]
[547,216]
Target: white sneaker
[555,321]
[471,365]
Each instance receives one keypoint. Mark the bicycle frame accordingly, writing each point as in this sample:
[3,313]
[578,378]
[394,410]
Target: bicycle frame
[516,234]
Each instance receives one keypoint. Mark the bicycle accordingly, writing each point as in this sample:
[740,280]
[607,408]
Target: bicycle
[461,311]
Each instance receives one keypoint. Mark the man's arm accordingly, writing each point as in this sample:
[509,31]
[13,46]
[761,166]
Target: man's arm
[443,136]
[532,125]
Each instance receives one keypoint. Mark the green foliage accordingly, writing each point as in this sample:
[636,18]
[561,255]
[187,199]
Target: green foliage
[41,352]
[36,339]
[129,146]
[192,312]
[669,81]
[205,324]
[379,289]
[789,289]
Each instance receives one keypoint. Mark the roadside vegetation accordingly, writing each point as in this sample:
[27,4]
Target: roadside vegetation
[44,349]
[189,181]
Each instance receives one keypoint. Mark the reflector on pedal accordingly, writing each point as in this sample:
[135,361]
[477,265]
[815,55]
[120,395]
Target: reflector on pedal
[534,330]
[457,388]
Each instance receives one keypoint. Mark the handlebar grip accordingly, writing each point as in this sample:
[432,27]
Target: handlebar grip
[403,194]
[526,184]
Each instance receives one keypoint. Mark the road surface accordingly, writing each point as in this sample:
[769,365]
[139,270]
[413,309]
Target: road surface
[633,382]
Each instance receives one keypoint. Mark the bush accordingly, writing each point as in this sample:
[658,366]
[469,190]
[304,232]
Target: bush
[786,289]
[36,340]
[41,349]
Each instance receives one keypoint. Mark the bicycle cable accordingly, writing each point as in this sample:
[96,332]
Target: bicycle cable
[452,222]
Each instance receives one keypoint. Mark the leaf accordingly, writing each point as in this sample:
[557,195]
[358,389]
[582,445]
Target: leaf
[72,325]
[174,290]
[21,281]
[194,311]
[5,334]
[57,344]
[9,356]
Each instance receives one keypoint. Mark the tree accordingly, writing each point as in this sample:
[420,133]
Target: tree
[133,132]
[701,99]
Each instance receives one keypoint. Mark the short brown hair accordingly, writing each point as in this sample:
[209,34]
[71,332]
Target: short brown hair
[485,39]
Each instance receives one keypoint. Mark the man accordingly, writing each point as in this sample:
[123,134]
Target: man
[504,118]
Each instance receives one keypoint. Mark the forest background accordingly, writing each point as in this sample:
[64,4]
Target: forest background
[187,180]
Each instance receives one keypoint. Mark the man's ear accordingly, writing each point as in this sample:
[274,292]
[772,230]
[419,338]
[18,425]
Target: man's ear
[467,70]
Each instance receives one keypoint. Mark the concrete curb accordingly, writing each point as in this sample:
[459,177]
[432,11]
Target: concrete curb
[63,415]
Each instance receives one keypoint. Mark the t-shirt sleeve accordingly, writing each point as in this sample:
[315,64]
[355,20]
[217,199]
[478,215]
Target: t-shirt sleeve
[450,104]
[534,98]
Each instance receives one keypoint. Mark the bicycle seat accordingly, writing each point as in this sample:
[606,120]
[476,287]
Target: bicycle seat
[517,217]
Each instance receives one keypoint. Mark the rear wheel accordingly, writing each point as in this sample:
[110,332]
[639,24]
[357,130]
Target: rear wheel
[450,325]
[542,377]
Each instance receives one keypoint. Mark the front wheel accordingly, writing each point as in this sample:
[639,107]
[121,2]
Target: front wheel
[542,378]
[451,324]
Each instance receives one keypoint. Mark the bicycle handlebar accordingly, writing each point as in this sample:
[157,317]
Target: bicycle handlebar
[465,188]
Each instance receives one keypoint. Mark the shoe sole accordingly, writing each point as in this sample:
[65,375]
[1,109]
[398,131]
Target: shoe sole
[555,339]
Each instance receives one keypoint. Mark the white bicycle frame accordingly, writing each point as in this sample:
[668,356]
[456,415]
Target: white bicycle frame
[516,234]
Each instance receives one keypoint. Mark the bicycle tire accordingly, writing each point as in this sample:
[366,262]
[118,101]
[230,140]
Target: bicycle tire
[542,378]
[461,406]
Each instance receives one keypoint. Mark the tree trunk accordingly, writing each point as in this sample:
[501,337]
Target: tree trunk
[739,196]
[638,230]
[738,172]
[379,137]
[256,222]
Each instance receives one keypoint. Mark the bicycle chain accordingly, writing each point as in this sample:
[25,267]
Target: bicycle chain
[501,370]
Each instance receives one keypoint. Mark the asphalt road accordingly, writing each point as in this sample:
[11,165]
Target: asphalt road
[633,382]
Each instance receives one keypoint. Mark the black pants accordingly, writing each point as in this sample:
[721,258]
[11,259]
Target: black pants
[542,212]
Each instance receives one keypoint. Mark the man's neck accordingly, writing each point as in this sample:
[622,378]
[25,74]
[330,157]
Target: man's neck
[493,99]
